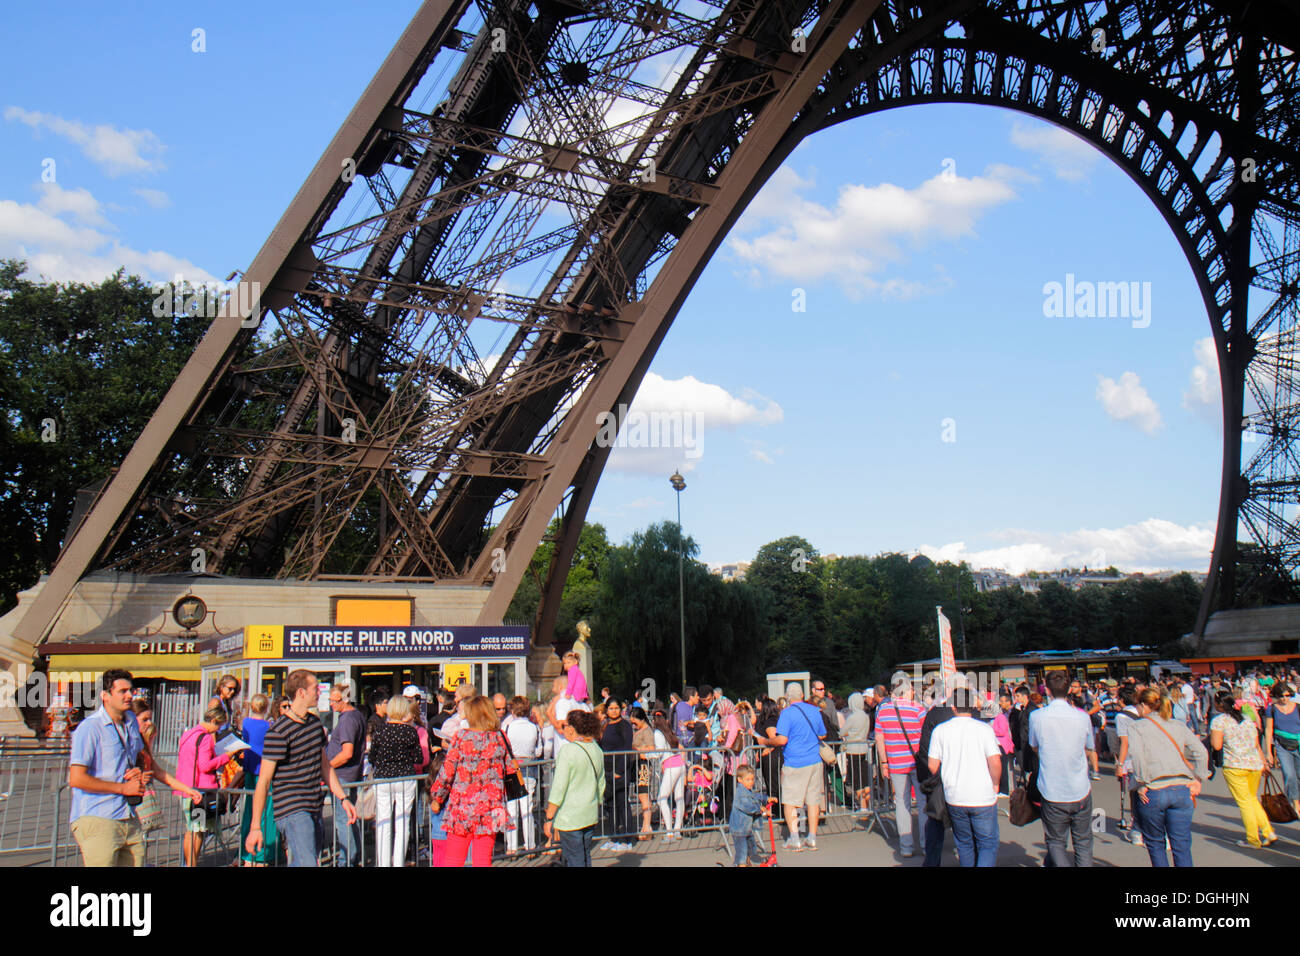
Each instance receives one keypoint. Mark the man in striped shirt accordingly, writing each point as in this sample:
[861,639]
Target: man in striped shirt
[898,734]
[293,755]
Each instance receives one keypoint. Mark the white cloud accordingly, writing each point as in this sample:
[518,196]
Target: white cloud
[718,407]
[156,198]
[1150,545]
[1203,390]
[84,207]
[866,232]
[669,419]
[114,150]
[1070,157]
[63,252]
[1127,401]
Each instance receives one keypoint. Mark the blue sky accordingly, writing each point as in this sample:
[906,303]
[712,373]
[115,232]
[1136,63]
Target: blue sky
[921,239]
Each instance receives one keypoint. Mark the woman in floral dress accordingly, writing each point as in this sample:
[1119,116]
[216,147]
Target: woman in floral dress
[471,784]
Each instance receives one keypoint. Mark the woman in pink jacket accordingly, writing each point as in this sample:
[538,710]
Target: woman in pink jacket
[197,763]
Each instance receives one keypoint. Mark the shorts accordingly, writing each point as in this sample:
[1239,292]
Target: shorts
[195,820]
[803,786]
[643,777]
[107,842]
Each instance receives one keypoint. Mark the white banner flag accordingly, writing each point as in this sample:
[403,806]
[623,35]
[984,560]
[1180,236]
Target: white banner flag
[947,661]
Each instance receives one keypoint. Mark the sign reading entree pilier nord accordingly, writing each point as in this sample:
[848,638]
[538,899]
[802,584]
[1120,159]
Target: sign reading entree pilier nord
[290,642]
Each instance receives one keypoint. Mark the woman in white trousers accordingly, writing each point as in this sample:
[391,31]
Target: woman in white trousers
[525,739]
[394,754]
[672,779]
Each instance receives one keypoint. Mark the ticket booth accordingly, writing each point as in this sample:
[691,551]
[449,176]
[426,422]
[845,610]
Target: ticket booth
[373,660]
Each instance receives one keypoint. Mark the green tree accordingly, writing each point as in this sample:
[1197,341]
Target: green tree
[82,369]
[789,571]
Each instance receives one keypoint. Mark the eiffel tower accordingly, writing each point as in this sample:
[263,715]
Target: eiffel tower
[550,177]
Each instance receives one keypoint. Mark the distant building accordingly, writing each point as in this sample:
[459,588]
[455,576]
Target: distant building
[990,579]
[731,572]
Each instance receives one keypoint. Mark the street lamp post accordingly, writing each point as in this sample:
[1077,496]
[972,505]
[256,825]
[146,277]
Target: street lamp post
[679,485]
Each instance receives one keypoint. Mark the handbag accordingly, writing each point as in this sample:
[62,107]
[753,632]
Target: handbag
[514,782]
[368,804]
[1277,807]
[824,749]
[149,813]
[1023,811]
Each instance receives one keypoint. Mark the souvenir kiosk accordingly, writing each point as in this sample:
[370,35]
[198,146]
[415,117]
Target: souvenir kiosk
[375,661]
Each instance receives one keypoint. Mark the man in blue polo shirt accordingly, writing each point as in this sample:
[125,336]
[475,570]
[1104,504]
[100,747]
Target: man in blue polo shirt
[1061,735]
[799,731]
[106,780]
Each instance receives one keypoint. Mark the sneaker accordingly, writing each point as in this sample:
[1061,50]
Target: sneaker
[1136,838]
[1246,845]
[905,854]
[792,844]
[1122,825]
[810,843]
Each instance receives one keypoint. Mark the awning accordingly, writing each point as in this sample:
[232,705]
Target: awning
[165,666]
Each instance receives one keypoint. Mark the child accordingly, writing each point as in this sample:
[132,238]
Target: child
[437,835]
[745,811]
[700,728]
[576,684]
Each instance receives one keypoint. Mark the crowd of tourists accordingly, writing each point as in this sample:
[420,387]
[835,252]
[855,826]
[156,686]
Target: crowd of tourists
[501,775]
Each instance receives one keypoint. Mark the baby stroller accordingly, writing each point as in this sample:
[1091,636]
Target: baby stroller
[703,802]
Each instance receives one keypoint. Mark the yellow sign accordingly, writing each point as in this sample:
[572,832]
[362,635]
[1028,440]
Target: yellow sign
[264,641]
[453,674]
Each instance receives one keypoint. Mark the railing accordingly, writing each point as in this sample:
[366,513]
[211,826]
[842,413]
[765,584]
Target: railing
[34,818]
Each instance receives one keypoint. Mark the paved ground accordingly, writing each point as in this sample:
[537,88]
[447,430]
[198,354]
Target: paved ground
[1215,830]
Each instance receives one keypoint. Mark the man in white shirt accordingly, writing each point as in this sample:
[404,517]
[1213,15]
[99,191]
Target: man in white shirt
[965,754]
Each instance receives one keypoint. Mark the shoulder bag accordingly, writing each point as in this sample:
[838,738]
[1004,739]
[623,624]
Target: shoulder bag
[1181,755]
[825,750]
[210,804]
[936,806]
[513,782]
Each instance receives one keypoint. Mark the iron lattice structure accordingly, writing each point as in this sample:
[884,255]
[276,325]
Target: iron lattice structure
[493,246]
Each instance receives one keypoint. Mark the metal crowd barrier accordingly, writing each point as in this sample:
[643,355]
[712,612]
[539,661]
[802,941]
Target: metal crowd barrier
[705,804]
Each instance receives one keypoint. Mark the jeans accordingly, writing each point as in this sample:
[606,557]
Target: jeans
[298,833]
[575,846]
[1072,819]
[1168,811]
[933,831]
[746,848]
[392,815]
[347,835]
[1288,761]
[975,831]
[903,784]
